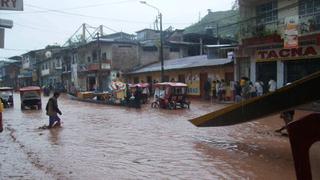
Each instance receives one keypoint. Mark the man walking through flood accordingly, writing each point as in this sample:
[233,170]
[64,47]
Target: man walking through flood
[53,110]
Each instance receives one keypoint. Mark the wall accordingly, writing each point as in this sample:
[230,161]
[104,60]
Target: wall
[192,76]
[124,57]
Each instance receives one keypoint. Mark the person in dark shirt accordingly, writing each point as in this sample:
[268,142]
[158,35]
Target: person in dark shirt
[53,110]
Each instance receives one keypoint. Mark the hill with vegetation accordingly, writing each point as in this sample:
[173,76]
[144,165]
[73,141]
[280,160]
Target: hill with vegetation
[224,20]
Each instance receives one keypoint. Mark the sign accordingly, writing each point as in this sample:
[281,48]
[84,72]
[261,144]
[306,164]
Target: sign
[1,38]
[5,23]
[105,66]
[288,54]
[291,32]
[13,5]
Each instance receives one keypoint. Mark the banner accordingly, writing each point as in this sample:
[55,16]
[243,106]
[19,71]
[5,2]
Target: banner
[291,32]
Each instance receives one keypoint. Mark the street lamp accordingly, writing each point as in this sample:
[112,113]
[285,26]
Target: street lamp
[161,38]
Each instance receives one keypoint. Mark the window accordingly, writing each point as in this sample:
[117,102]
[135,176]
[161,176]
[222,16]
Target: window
[94,56]
[150,48]
[174,49]
[267,13]
[104,56]
[309,7]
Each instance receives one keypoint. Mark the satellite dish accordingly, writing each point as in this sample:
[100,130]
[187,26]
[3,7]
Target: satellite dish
[48,54]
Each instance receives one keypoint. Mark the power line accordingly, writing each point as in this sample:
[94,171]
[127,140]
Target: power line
[75,8]
[87,16]
[10,49]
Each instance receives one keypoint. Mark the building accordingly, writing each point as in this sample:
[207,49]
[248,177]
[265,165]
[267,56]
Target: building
[95,64]
[279,40]
[195,71]
[50,68]
[9,71]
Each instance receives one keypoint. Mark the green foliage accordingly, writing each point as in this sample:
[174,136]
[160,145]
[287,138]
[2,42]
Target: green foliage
[225,20]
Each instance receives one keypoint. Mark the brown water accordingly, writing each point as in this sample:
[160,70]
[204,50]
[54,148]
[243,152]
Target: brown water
[108,142]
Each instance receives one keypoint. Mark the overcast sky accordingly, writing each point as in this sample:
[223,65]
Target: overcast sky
[39,24]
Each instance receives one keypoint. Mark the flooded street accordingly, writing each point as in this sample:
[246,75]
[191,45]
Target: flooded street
[110,142]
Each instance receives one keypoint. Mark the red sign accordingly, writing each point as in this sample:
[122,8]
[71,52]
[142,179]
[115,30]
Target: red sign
[287,54]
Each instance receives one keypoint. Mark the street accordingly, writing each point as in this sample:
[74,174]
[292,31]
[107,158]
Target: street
[110,142]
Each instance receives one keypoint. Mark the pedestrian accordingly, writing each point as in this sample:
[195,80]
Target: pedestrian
[53,110]
[253,90]
[213,90]
[245,88]
[137,97]
[259,88]
[218,89]
[223,90]
[272,85]
[207,88]
[238,91]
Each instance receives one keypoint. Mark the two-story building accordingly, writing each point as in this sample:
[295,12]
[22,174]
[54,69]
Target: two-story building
[97,63]
[9,71]
[51,69]
[279,40]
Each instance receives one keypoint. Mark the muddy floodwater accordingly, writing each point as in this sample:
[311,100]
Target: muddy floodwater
[110,142]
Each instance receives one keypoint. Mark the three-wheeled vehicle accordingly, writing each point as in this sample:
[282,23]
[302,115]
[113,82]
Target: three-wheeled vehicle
[170,95]
[145,93]
[6,95]
[30,97]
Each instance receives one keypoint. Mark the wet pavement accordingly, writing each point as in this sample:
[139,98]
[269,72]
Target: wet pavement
[110,142]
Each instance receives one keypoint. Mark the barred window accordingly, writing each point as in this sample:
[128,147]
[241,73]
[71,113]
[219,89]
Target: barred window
[309,7]
[267,12]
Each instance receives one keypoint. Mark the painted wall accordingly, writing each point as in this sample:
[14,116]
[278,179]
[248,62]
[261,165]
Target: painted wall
[192,76]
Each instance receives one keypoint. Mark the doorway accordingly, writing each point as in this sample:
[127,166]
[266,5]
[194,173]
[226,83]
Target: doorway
[203,80]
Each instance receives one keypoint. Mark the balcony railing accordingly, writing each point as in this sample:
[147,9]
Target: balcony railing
[250,30]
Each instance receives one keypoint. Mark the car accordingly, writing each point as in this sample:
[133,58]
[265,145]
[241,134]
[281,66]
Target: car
[30,97]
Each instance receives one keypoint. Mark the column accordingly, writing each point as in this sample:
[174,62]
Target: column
[280,74]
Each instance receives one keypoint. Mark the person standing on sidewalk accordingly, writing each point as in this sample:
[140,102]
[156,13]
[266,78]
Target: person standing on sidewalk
[53,110]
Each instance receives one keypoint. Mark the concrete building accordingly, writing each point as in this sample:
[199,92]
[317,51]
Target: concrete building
[51,69]
[98,62]
[279,40]
[9,71]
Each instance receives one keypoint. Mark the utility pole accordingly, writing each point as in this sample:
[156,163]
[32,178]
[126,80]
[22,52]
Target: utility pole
[99,60]
[161,48]
[218,38]
[161,38]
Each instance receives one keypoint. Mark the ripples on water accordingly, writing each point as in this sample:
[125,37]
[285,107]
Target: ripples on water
[109,142]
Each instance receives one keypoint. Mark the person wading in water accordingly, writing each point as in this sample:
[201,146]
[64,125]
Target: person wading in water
[53,110]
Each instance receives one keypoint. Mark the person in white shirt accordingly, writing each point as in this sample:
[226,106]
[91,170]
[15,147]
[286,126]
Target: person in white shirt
[259,88]
[272,85]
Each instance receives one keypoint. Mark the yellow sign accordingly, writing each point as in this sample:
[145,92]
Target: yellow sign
[194,88]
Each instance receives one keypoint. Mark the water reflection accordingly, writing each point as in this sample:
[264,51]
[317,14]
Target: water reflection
[54,135]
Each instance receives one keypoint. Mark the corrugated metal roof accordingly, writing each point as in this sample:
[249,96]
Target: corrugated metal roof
[183,63]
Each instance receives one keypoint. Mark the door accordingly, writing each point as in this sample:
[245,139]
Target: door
[203,80]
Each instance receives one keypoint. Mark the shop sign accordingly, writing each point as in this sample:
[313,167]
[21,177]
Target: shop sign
[13,5]
[105,66]
[288,54]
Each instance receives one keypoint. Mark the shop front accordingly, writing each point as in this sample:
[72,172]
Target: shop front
[287,65]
